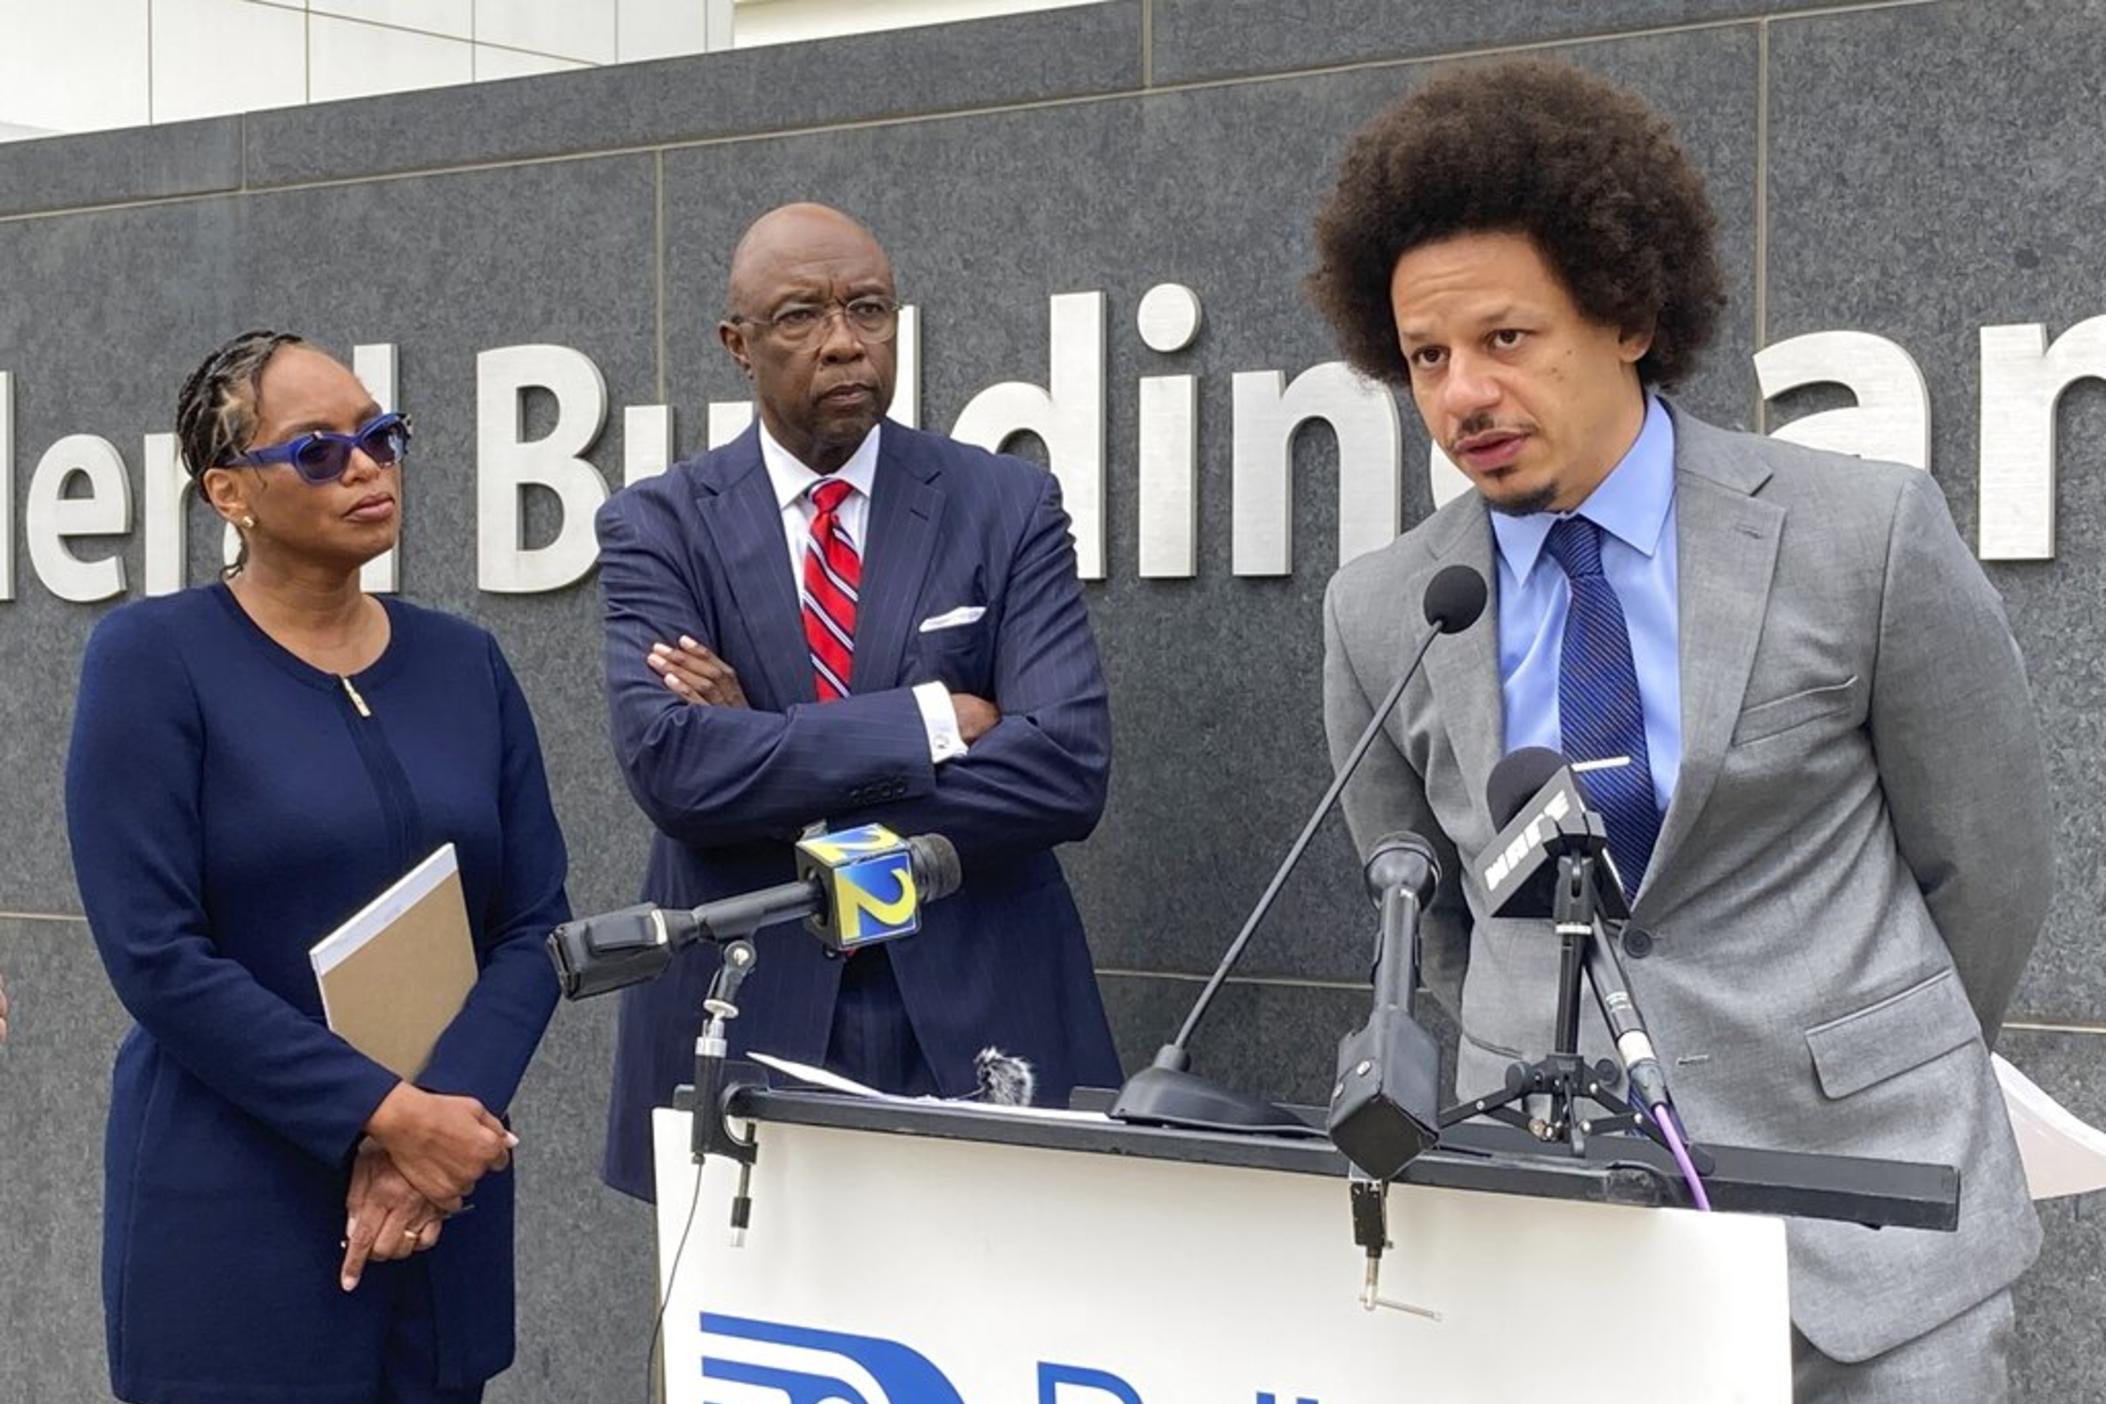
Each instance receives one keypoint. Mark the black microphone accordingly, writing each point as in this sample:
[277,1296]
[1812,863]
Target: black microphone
[855,888]
[1542,814]
[1385,1105]
[1399,862]
[1517,777]
[1542,808]
[1166,1093]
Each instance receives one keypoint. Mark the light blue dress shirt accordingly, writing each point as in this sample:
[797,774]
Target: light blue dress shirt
[1635,508]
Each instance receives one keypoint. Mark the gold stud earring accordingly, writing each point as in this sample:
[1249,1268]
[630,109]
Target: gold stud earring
[248,523]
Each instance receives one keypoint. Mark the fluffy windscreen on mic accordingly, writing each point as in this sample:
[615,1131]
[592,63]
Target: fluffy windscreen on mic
[1516,779]
[1005,1080]
[1454,598]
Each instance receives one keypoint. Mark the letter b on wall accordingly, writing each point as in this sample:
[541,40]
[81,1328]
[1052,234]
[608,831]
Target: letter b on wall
[505,465]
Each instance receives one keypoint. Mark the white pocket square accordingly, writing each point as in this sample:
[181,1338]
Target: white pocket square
[953,619]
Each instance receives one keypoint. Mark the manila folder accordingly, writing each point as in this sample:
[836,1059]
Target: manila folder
[396,973]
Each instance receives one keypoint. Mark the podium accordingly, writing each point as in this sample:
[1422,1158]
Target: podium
[943,1253]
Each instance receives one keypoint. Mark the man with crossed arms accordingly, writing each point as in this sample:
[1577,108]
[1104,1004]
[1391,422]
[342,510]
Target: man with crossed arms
[837,618]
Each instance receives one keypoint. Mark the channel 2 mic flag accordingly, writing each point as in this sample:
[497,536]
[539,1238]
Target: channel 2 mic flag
[867,874]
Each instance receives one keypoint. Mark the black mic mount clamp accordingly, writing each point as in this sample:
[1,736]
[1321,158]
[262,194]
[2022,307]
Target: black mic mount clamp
[1370,1198]
[1564,1077]
[717,1079]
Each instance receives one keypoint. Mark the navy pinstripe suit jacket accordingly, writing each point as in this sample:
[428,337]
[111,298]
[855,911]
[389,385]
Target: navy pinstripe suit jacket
[699,551]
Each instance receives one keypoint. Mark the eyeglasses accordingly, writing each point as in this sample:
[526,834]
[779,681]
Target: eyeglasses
[321,457]
[872,318]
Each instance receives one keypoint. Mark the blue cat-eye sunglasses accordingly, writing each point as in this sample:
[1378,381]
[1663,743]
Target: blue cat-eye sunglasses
[321,457]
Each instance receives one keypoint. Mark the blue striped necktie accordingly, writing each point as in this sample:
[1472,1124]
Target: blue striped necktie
[1599,710]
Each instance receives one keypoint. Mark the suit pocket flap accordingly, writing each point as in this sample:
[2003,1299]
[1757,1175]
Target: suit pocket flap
[1783,713]
[1900,1032]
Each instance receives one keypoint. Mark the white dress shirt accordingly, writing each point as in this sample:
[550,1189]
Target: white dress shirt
[793,494]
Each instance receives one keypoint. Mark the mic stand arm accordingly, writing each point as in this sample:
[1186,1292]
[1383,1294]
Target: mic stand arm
[1167,1092]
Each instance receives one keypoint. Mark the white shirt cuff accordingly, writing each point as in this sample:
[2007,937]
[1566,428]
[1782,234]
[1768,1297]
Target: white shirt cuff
[940,719]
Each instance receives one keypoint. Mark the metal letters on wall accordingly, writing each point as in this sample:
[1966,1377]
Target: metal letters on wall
[53,517]
[505,464]
[1168,320]
[2023,378]
[1891,419]
[80,488]
[1066,414]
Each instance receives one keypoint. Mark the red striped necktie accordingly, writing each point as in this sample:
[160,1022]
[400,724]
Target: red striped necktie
[833,574]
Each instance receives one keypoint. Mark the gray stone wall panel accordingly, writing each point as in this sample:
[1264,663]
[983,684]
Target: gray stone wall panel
[893,74]
[1929,175]
[1214,39]
[54,1096]
[108,168]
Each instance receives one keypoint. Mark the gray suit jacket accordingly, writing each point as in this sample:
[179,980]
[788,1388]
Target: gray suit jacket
[1847,883]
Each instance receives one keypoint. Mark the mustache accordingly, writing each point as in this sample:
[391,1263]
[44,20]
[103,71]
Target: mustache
[1478,424]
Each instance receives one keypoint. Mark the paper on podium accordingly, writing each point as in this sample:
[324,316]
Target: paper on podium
[2061,1154]
[834,1082]
[395,974]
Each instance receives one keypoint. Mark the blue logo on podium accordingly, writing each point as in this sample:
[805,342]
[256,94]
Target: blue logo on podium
[801,1365]
[901,1375]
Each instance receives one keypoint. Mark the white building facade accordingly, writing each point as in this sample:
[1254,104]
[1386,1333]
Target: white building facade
[87,65]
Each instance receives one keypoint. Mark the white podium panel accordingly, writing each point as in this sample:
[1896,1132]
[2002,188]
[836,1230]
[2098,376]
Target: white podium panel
[893,1269]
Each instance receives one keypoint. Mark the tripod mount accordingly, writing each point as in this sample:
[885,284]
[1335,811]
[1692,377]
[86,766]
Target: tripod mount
[1579,1098]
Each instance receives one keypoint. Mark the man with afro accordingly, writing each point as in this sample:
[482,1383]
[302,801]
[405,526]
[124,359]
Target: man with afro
[1823,781]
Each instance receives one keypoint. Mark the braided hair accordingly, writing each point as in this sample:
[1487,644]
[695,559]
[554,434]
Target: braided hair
[216,412]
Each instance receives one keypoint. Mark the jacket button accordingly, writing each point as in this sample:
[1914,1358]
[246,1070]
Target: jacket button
[1637,942]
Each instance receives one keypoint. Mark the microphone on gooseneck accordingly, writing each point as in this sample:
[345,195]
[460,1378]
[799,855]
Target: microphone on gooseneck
[1166,1093]
[1454,598]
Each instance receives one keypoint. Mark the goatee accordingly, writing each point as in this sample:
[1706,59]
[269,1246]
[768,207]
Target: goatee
[1525,506]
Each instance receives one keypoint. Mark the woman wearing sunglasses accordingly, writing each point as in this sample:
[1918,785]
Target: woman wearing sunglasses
[252,762]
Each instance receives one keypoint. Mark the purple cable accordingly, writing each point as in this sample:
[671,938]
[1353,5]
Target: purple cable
[1664,1118]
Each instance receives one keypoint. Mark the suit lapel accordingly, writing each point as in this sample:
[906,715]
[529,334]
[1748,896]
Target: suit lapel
[1463,670]
[906,508]
[744,522]
[1726,551]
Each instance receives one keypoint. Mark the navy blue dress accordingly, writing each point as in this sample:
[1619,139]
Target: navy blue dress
[228,806]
